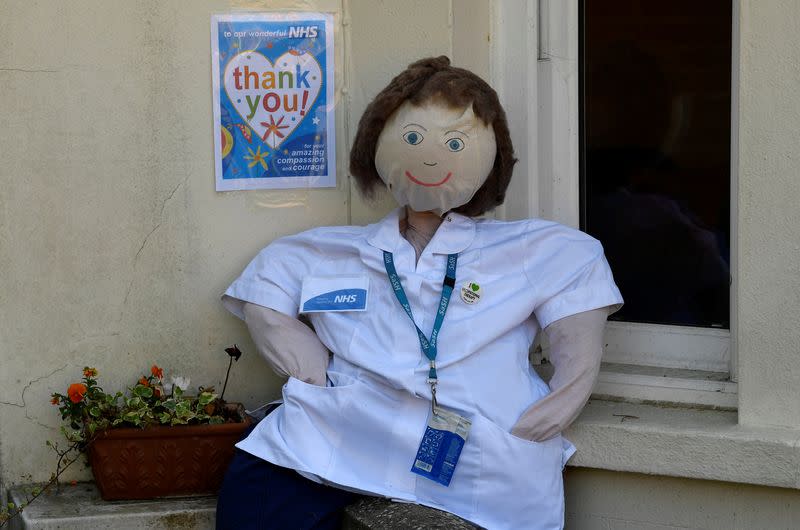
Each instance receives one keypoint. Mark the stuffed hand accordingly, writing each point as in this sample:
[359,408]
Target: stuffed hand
[290,347]
[576,349]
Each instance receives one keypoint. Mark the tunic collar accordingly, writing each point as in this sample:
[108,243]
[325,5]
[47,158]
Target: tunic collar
[455,234]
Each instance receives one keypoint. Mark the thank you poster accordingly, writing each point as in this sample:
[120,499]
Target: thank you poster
[274,123]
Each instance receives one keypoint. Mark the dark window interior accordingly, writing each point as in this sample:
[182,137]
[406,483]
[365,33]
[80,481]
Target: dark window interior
[655,154]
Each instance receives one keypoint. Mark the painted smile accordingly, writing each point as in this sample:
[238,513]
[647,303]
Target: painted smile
[415,180]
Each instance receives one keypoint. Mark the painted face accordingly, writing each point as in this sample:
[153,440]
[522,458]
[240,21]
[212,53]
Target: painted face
[433,157]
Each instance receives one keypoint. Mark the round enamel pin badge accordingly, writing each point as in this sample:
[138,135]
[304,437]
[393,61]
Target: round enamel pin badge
[470,292]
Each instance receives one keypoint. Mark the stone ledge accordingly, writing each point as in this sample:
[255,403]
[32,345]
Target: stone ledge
[683,442]
[384,514]
[80,506]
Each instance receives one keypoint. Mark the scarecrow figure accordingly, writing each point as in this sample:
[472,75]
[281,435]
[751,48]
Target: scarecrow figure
[414,383]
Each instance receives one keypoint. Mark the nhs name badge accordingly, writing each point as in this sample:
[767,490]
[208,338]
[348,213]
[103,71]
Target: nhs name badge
[440,448]
[334,293]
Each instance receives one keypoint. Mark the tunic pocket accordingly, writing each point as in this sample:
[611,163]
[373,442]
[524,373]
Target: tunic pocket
[352,434]
[520,478]
[311,418]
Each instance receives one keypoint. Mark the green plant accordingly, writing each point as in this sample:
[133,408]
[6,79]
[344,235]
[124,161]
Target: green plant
[88,410]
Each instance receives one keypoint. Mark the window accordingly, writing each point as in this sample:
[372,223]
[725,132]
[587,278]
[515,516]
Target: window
[633,133]
[655,154]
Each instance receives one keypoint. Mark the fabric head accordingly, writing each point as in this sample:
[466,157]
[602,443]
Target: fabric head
[434,157]
[434,79]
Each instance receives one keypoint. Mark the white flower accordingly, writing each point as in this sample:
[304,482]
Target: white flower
[179,381]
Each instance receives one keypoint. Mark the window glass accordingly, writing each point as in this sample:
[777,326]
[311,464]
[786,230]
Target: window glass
[655,154]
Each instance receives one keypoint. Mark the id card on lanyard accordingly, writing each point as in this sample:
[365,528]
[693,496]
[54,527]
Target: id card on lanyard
[446,431]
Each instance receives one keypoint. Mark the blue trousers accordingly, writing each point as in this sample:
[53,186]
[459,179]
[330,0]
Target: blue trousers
[258,495]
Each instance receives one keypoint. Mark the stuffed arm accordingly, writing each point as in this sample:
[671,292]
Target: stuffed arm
[290,347]
[576,346]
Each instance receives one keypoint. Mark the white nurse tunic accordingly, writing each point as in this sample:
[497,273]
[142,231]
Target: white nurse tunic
[363,432]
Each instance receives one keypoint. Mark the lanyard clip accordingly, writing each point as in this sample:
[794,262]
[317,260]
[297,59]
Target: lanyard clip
[434,403]
[432,380]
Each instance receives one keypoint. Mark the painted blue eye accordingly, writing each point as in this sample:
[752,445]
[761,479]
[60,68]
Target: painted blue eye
[455,144]
[413,137]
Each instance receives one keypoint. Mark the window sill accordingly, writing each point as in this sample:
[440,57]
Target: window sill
[696,388]
[684,442]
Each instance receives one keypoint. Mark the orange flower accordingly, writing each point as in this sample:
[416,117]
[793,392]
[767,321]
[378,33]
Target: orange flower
[76,392]
[54,400]
[157,392]
[157,372]
[144,382]
[89,372]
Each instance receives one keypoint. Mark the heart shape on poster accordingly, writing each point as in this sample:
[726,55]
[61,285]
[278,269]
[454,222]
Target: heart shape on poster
[273,98]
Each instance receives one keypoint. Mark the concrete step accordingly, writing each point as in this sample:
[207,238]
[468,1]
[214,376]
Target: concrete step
[80,507]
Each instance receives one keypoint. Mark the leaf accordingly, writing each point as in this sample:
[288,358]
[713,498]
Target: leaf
[143,391]
[95,412]
[205,398]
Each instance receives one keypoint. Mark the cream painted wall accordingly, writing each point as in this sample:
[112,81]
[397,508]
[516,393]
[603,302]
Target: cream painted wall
[768,308]
[605,500]
[114,246]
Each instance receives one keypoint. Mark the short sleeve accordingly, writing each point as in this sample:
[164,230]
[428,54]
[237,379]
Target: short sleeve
[570,274]
[274,278]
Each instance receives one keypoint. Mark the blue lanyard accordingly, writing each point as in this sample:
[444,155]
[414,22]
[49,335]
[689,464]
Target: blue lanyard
[428,346]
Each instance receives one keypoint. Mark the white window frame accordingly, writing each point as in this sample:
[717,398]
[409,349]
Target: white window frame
[535,71]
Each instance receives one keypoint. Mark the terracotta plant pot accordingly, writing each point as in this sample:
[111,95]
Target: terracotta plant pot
[163,461]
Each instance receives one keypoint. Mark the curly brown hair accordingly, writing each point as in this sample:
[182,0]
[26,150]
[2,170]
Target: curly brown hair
[424,80]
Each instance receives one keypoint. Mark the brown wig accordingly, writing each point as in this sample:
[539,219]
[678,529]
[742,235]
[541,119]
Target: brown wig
[424,80]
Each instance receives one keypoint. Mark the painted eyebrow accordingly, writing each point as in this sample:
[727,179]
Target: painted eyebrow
[418,125]
[457,131]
